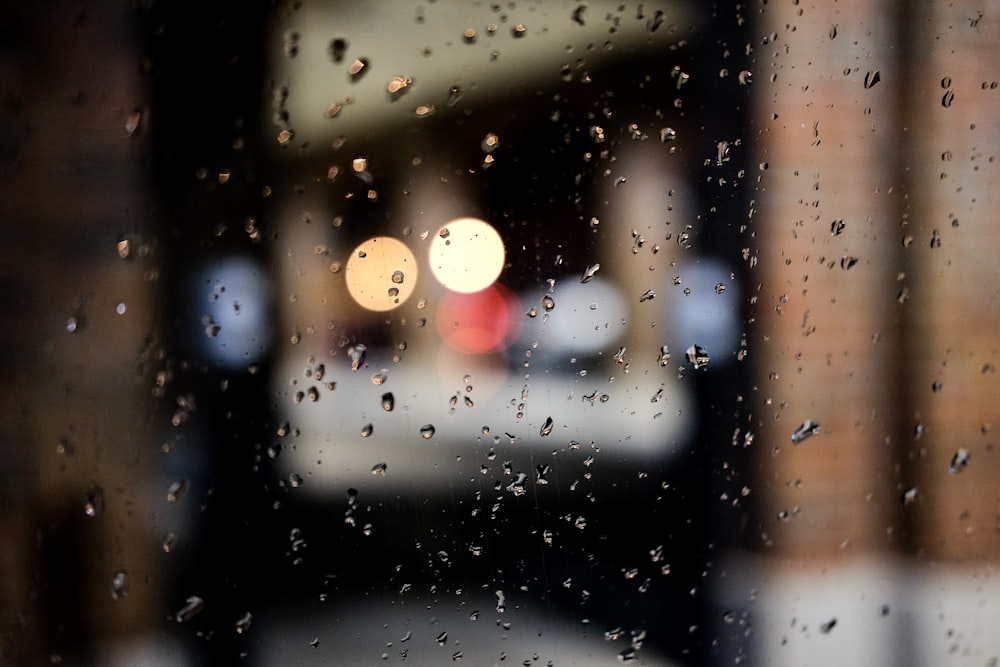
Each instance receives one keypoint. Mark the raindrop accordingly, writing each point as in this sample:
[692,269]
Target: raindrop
[489,142]
[427,431]
[169,542]
[546,427]
[807,429]
[667,134]
[655,21]
[589,272]
[366,430]
[442,638]
[379,469]
[243,623]
[501,601]
[192,606]
[825,628]
[847,262]
[663,357]
[357,353]
[177,490]
[454,95]
[548,303]
[313,394]
[837,227]
[337,49]
[872,78]
[388,401]
[397,86]
[119,585]
[93,505]
[948,98]
[697,356]
[358,68]
[959,461]
[648,295]
[380,377]
[397,277]
[946,82]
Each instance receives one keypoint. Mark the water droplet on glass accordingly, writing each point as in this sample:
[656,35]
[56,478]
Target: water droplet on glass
[93,504]
[548,303]
[169,542]
[959,461]
[663,357]
[807,429]
[489,143]
[397,86]
[379,469]
[397,277]
[454,95]
[357,353]
[589,272]
[177,490]
[697,356]
[948,99]
[388,401]
[871,78]
[338,47]
[367,430]
[380,377]
[837,227]
[848,261]
[119,585]
[655,21]
[501,601]
[648,295]
[427,431]
[546,427]
[191,608]
[442,638]
[358,68]
[243,623]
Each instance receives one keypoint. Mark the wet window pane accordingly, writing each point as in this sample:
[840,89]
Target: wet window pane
[528,333]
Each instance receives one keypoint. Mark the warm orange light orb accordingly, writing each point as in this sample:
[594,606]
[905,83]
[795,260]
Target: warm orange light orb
[381,273]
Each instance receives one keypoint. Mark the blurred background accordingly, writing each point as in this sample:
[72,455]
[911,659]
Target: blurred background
[539,333]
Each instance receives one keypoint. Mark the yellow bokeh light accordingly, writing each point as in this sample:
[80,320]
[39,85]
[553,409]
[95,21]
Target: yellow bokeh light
[467,255]
[381,273]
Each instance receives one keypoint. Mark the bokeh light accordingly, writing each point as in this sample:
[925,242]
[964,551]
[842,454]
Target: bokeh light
[233,299]
[467,255]
[479,322]
[381,273]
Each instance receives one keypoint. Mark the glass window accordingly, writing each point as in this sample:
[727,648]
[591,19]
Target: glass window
[498,332]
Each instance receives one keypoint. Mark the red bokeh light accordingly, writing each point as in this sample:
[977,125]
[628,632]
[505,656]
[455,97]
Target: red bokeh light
[479,322]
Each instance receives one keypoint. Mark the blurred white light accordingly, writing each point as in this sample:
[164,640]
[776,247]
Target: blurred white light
[232,299]
[709,314]
[586,317]
[467,255]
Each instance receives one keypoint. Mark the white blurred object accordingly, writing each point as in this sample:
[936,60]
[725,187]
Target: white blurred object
[232,300]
